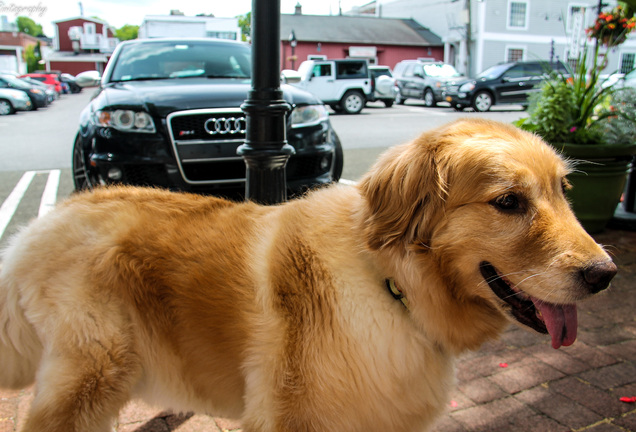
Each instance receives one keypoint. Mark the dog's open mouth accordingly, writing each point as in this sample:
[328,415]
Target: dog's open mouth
[560,321]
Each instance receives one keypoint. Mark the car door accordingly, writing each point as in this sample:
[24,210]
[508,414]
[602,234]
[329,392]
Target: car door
[514,85]
[416,83]
[321,83]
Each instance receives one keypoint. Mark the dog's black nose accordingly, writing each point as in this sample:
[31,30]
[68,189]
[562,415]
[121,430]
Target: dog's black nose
[598,275]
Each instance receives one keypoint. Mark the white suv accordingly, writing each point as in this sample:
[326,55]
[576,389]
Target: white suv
[345,85]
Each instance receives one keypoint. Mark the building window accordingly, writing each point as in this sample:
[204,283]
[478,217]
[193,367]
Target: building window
[628,61]
[576,18]
[222,35]
[518,15]
[514,55]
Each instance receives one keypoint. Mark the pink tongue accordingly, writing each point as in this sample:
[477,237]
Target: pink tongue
[560,320]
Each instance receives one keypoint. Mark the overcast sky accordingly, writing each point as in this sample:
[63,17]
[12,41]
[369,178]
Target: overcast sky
[120,12]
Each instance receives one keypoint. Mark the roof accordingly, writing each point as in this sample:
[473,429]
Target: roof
[357,29]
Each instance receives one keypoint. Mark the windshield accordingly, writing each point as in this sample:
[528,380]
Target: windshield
[15,82]
[167,60]
[494,71]
[441,70]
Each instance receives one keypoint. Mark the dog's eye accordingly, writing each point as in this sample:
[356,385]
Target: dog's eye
[509,202]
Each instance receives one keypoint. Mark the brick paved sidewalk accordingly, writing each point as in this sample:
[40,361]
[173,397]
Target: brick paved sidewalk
[516,384]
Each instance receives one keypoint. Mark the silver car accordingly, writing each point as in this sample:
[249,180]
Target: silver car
[13,100]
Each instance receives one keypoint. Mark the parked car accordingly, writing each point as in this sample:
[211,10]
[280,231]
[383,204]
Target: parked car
[424,79]
[38,97]
[72,84]
[13,100]
[167,114]
[343,84]
[507,83]
[383,84]
[46,78]
[629,80]
[47,88]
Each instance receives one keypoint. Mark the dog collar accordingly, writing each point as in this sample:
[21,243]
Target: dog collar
[396,292]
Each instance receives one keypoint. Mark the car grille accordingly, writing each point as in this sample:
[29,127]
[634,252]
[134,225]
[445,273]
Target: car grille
[452,88]
[205,143]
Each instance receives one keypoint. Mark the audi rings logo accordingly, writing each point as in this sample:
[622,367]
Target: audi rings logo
[225,125]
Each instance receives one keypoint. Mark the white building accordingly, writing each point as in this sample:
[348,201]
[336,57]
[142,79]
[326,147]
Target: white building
[508,30]
[154,26]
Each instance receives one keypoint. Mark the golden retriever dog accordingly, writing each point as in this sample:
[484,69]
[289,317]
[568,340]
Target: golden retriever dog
[339,311]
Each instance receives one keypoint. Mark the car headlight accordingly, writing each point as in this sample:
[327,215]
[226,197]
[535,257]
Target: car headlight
[126,120]
[37,91]
[309,115]
[467,87]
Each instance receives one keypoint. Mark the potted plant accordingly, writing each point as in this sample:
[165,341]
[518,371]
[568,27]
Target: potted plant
[574,114]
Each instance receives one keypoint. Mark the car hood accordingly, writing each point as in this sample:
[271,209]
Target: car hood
[161,97]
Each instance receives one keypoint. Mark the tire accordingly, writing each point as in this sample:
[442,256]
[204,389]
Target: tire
[81,175]
[482,101]
[338,162]
[429,98]
[5,107]
[388,103]
[352,102]
[399,99]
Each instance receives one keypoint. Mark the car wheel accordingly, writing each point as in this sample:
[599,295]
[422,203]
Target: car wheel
[5,107]
[388,103]
[482,101]
[338,162]
[81,176]
[352,102]
[400,99]
[429,98]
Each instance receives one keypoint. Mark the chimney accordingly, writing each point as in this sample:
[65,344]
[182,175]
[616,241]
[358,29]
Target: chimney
[299,9]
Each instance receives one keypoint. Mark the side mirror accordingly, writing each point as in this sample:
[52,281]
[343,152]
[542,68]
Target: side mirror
[88,79]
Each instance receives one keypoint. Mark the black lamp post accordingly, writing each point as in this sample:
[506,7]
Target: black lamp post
[265,150]
[293,42]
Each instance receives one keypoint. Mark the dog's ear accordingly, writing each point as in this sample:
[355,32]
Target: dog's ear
[404,194]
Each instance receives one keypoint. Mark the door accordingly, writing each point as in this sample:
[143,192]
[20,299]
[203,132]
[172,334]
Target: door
[514,85]
[321,83]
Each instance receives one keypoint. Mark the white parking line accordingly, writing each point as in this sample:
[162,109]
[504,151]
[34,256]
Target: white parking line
[49,196]
[10,205]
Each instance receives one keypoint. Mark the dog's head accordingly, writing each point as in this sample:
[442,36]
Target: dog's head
[485,202]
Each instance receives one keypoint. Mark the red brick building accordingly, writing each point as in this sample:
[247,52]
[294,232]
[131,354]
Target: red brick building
[81,44]
[382,41]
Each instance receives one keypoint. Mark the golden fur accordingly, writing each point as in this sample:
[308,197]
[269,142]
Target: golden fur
[280,315]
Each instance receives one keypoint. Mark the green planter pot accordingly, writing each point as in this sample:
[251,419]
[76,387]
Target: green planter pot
[598,180]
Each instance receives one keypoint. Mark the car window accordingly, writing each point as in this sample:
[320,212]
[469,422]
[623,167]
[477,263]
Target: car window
[380,72]
[493,71]
[516,72]
[166,60]
[408,71]
[351,70]
[321,70]
[441,70]
[14,82]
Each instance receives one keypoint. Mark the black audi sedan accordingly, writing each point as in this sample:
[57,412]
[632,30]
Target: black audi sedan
[167,114]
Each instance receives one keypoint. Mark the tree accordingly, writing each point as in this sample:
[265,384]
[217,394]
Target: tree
[127,32]
[245,23]
[32,57]
[28,26]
